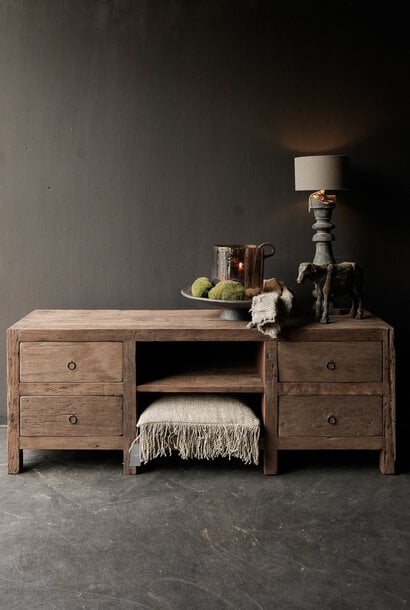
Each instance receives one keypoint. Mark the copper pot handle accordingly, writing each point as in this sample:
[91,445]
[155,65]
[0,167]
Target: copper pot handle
[267,244]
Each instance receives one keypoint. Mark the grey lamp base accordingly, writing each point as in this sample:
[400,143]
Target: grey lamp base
[322,226]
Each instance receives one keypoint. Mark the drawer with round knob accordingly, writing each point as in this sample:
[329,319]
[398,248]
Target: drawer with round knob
[325,361]
[346,416]
[65,361]
[71,415]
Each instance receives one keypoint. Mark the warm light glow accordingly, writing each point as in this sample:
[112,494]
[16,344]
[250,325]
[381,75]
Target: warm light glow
[240,266]
[322,195]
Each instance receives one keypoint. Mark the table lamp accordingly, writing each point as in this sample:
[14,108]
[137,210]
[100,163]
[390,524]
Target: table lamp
[322,173]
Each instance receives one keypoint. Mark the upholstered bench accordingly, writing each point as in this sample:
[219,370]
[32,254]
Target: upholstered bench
[202,426]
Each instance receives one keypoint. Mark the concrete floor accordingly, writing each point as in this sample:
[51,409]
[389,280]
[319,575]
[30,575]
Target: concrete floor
[329,532]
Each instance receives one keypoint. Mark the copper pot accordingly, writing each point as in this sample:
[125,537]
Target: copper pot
[243,263]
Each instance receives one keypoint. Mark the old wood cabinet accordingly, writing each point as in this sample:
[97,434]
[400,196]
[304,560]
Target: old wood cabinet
[77,379]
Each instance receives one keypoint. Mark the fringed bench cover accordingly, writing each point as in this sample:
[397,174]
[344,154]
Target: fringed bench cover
[203,426]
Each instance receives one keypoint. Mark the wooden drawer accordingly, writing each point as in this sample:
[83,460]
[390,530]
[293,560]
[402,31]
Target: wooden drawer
[330,416]
[323,361]
[71,416]
[74,361]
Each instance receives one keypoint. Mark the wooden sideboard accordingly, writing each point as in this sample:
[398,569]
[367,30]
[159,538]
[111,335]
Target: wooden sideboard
[78,379]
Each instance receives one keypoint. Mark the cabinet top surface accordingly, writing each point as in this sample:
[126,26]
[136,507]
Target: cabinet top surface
[173,319]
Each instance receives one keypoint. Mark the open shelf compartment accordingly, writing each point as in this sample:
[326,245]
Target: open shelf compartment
[189,366]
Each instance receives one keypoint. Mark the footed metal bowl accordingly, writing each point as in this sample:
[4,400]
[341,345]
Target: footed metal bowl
[230,310]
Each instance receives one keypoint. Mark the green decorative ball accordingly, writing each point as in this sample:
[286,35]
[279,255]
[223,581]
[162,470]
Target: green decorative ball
[227,290]
[201,287]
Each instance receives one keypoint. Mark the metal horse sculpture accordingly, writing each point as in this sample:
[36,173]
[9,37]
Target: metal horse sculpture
[334,280]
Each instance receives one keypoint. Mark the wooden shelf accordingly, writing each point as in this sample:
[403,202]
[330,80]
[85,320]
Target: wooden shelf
[206,381]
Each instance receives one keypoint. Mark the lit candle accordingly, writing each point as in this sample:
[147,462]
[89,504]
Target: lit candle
[237,269]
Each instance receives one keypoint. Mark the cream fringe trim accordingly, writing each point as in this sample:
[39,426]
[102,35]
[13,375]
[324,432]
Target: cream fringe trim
[202,441]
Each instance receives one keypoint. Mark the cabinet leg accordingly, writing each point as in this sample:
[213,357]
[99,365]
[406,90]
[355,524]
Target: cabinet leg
[386,462]
[15,460]
[270,462]
[127,469]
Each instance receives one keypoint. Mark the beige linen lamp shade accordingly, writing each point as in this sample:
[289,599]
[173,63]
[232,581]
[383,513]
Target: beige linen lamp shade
[321,172]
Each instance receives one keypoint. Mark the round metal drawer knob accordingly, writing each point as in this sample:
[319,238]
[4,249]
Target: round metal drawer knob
[73,419]
[332,420]
[331,365]
[72,365]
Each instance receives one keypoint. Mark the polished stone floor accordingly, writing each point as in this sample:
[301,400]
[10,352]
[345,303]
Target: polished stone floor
[329,532]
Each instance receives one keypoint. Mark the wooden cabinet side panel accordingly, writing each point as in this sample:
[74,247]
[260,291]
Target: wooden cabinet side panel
[15,455]
[388,454]
[130,403]
[268,368]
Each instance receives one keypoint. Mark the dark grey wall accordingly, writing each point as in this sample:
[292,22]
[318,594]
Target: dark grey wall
[136,134]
